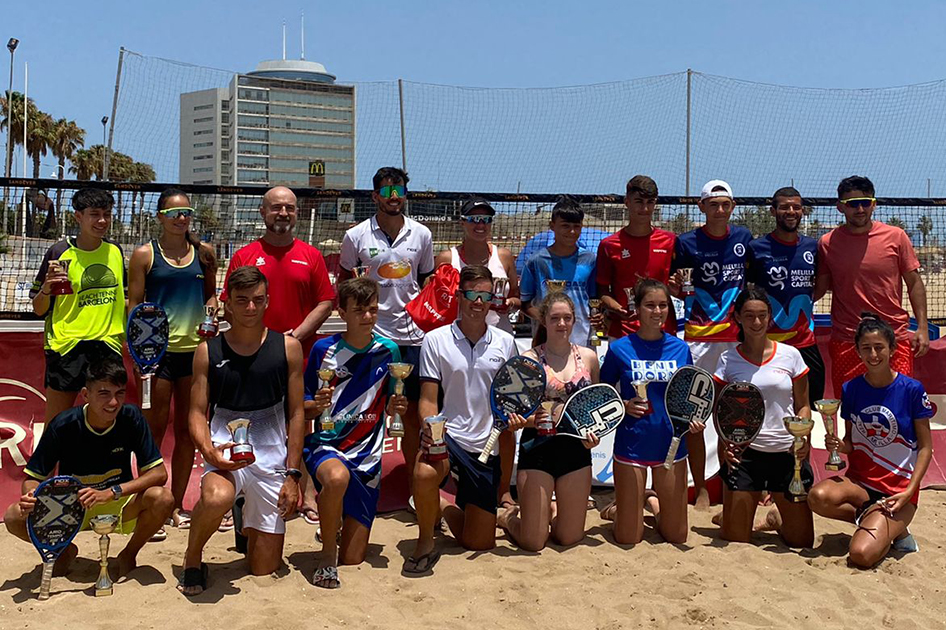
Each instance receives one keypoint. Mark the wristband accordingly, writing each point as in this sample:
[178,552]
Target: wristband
[295,473]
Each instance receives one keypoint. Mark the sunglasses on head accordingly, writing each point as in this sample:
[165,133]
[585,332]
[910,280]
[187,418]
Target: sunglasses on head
[176,213]
[478,218]
[473,296]
[859,202]
[390,191]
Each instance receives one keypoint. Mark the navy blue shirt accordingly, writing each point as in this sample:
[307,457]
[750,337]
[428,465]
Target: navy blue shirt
[787,273]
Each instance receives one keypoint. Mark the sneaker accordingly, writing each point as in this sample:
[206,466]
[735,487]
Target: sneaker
[907,544]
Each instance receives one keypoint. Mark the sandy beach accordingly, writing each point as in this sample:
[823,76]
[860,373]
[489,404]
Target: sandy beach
[598,585]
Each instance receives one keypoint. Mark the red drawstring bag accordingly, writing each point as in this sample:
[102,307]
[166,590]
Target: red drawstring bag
[436,304]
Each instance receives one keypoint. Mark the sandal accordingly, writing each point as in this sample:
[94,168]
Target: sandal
[310,515]
[159,535]
[326,577]
[181,519]
[192,577]
[423,564]
[226,524]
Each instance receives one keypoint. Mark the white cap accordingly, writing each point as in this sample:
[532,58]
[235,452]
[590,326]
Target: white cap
[708,191]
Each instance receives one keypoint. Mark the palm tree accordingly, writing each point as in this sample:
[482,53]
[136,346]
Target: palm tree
[87,163]
[39,136]
[12,125]
[925,227]
[140,173]
[119,170]
[65,140]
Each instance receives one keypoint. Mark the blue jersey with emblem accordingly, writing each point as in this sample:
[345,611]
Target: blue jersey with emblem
[787,273]
[644,441]
[578,271]
[719,273]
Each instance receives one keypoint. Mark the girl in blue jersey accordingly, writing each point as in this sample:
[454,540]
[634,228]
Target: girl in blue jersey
[889,448]
[643,437]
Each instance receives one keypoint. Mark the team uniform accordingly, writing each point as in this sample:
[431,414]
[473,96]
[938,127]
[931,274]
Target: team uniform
[556,455]
[495,266]
[361,385]
[623,260]
[578,272]
[179,289]
[397,265]
[465,371]
[882,433]
[253,387]
[88,324]
[644,441]
[787,273]
[768,462]
[98,459]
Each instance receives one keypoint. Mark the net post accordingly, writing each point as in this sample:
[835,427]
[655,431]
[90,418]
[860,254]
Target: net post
[26,118]
[689,93]
[400,102]
[111,126]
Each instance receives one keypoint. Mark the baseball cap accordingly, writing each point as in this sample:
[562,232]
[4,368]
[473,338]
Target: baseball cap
[475,203]
[708,191]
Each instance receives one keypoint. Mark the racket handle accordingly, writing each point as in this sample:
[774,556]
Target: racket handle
[146,391]
[672,453]
[47,579]
[490,443]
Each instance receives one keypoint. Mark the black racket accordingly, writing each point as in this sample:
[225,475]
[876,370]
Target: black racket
[147,342]
[54,522]
[739,413]
[518,387]
[688,398]
[594,409]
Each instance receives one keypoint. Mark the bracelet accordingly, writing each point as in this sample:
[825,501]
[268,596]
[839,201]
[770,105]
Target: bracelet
[46,294]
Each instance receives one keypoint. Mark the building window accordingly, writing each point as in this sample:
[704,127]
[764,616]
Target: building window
[203,132]
[204,169]
[204,181]
[198,145]
[203,157]
[202,107]
[203,120]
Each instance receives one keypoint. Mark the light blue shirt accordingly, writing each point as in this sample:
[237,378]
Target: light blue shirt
[578,271]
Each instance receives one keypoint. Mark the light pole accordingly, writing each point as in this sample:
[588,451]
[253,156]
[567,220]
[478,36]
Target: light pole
[11,46]
[104,149]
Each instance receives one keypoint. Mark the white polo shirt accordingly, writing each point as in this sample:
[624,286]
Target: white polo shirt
[395,267]
[466,371]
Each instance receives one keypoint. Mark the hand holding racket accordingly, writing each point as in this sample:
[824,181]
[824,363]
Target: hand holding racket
[517,388]
[739,416]
[54,521]
[689,400]
[147,342]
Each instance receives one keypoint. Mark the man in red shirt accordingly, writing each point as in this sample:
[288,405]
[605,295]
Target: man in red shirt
[862,263]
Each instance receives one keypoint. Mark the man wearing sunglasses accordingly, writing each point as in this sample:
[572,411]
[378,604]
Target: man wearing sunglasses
[862,263]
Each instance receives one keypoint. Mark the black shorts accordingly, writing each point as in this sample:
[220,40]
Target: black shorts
[816,374]
[477,483]
[175,365]
[557,456]
[67,372]
[411,354]
[758,471]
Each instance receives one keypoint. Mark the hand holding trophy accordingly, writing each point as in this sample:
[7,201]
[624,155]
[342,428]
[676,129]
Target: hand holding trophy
[828,408]
[398,371]
[594,306]
[800,428]
[326,423]
[208,328]
[242,450]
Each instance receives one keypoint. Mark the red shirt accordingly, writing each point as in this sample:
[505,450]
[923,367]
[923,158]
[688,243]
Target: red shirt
[625,259]
[866,271]
[298,281]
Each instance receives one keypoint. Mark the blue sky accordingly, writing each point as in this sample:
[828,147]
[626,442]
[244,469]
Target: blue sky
[72,52]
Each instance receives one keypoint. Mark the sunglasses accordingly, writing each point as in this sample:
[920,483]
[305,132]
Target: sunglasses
[859,202]
[485,219]
[485,296]
[176,213]
[390,191]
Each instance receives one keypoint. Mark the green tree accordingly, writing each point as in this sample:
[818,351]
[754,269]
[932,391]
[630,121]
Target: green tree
[38,136]
[757,220]
[66,138]
[925,228]
[680,223]
[896,221]
[12,124]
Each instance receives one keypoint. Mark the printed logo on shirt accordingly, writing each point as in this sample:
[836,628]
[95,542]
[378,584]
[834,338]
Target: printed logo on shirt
[877,424]
[625,253]
[778,276]
[380,370]
[260,261]
[926,402]
[496,360]
[642,370]
[739,249]
[710,271]
[342,372]
[299,262]
[118,449]
[809,257]
[373,251]
[98,285]
[660,251]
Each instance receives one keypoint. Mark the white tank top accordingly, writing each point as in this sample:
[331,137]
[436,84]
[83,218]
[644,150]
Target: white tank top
[495,266]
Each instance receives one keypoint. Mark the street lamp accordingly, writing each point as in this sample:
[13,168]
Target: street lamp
[104,149]
[11,46]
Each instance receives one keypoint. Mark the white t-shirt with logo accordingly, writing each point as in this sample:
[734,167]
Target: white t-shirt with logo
[395,266]
[466,371]
[775,378]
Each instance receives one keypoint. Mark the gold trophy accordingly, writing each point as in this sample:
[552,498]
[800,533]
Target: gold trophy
[242,450]
[828,408]
[360,271]
[103,525]
[640,387]
[553,286]
[800,428]
[500,290]
[326,422]
[596,335]
[398,371]
[631,307]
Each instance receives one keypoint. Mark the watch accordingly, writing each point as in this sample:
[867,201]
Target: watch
[295,473]
[116,491]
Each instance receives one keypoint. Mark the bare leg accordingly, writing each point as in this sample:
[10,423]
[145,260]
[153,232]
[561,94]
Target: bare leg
[798,526]
[877,531]
[628,510]
[58,401]
[838,498]
[152,508]
[264,551]
[696,448]
[216,498]
[507,455]
[427,478]
[182,459]
[671,512]
[410,443]
[333,476]
[738,514]
[479,529]
[571,498]
[354,546]
[528,524]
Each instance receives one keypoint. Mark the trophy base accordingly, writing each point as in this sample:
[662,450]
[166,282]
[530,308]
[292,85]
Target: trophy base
[65,289]
[835,467]
[396,433]
[799,498]
[103,592]
[436,453]
[242,454]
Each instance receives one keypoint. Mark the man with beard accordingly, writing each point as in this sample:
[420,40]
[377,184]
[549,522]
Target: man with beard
[784,263]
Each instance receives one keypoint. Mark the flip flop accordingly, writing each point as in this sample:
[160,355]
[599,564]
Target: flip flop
[193,577]
[181,519]
[423,564]
[159,535]
[311,520]
[324,578]
[226,524]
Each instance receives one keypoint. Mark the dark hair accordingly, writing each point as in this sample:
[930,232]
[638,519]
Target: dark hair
[359,290]
[750,293]
[551,299]
[784,191]
[472,273]
[643,186]
[645,286]
[109,368]
[568,209]
[247,277]
[855,182]
[205,253]
[92,198]
[393,173]
[872,323]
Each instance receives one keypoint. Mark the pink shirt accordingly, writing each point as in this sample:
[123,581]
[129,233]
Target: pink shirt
[866,271]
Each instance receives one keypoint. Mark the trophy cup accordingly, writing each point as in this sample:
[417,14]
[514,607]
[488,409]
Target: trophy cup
[640,387]
[631,307]
[398,371]
[208,328]
[828,408]
[500,290]
[103,525]
[326,422]
[438,447]
[360,272]
[687,275]
[800,428]
[242,450]
[60,287]
[546,426]
[552,286]
[594,341]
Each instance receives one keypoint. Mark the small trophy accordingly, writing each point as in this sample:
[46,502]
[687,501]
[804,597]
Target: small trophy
[640,388]
[546,426]
[631,306]
[103,525]
[326,422]
[398,371]
[828,408]
[438,447]
[553,286]
[360,271]
[242,450]
[687,275]
[500,291]
[800,428]
[208,328]
[596,335]
[60,287]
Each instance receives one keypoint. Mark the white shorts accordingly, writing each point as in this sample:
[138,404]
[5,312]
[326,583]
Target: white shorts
[706,353]
[261,493]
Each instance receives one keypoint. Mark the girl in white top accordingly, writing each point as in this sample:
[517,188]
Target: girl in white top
[768,463]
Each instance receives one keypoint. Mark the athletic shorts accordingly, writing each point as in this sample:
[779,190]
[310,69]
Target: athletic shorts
[67,372]
[873,496]
[361,500]
[557,456]
[816,374]
[846,363]
[113,508]
[175,365]
[260,490]
[477,483]
[411,354]
[644,442]
[758,471]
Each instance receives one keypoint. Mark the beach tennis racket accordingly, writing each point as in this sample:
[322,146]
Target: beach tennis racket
[518,387]
[54,522]
[740,412]
[594,409]
[147,342]
[688,398]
